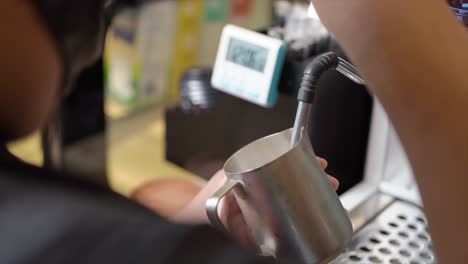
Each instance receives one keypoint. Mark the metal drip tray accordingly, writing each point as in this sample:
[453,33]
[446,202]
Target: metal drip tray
[397,235]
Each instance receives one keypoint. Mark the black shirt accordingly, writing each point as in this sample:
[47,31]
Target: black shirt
[47,218]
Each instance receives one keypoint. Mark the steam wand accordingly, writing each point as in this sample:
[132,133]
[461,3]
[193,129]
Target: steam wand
[312,74]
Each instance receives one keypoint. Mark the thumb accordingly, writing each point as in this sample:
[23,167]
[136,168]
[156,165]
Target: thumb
[334,182]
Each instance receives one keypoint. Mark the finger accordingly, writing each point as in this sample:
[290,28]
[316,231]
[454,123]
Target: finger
[323,163]
[227,208]
[334,182]
[234,221]
[240,231]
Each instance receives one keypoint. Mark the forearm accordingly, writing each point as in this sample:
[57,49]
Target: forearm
[167,196]
[415,60]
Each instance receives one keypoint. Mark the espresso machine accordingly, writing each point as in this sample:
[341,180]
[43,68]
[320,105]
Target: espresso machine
[385,208]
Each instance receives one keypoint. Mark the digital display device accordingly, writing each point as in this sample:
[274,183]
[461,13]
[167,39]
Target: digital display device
[248,65]
[460,7]
[247,54]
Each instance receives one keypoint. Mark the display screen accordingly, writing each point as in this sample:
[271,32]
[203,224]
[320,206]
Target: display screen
[461,9]
[247,54]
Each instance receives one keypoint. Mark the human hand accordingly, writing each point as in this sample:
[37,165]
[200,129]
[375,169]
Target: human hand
[229,210]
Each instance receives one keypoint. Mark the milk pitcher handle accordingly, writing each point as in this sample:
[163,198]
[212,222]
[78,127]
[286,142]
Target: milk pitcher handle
[213,202]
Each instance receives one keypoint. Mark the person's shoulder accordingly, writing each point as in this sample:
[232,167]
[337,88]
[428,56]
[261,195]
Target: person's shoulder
[49,215]
[67,192]
[50,218]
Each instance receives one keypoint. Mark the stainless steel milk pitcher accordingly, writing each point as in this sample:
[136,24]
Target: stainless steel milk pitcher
[288,203]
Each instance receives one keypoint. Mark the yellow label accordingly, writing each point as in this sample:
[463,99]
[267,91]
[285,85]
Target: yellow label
[187,39]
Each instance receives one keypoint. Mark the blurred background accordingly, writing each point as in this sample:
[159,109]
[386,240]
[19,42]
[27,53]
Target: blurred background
[147,110]
[148,47]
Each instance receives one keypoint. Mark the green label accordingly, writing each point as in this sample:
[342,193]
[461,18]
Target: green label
[215,10]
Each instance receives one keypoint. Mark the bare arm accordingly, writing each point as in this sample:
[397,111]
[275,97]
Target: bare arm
[415,58]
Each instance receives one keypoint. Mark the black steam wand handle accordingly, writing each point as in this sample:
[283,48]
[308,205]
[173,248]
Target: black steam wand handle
[306,95]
